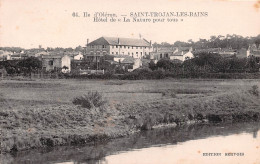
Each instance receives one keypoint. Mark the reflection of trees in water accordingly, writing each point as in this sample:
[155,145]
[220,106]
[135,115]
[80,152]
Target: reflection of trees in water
[93,154]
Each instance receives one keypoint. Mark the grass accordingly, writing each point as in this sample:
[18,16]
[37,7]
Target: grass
[41,113]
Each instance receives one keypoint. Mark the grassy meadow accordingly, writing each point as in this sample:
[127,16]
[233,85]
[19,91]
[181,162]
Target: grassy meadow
[40,113]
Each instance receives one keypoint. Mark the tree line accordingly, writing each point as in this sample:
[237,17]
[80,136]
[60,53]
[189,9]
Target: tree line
[229,41]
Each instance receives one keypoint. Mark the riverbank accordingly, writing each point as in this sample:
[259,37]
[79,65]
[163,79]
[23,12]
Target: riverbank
[39,123]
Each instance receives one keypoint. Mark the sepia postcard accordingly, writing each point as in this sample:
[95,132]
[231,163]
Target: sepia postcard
[130,82]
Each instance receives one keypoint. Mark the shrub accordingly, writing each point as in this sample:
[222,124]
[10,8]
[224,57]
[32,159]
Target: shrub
[254,90]
[89,100]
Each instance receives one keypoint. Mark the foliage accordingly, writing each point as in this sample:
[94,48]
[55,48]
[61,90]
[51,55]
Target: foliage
[254,90]
[152,65]
[164,63]
[230,41]
[29,65]
[90,100]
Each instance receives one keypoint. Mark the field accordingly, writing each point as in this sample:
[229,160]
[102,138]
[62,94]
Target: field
[40,113]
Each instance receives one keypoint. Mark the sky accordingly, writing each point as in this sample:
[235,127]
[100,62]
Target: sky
[49,23]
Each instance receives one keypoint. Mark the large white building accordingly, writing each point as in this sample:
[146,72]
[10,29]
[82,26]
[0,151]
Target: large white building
[136,48]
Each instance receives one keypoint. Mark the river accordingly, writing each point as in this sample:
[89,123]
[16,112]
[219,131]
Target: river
[203,144]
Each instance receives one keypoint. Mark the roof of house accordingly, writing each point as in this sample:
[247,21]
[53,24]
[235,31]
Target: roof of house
[120,41]
[125,59]
[19,55]
[179,53]
[58,56]
[128,60]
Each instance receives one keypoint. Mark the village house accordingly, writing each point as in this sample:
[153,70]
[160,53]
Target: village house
[173,53]
[79,56]
[136,48]
[127,62]
[56,63]
[19,56]
[253,50]
[5,55]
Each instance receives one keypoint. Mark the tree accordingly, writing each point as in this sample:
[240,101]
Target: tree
[152,65]
[30,65]
[164,63]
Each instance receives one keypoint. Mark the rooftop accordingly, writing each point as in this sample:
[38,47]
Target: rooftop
[120,41]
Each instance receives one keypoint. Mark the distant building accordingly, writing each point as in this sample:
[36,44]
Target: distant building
[5,55]
[136,48]
[18,56]
[79,56]
[253,50]
[173,53]
[128,63]
[56,63]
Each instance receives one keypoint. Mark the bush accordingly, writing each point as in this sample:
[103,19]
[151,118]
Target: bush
[254,90]
[90,100]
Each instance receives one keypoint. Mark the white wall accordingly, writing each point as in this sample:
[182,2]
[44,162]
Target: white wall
[188,55]
[135,52]
[66,61]
[78,57]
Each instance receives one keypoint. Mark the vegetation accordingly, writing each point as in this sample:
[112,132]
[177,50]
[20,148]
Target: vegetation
[90,100]
[228,41]
[254,90]
[26,66]
[47,118]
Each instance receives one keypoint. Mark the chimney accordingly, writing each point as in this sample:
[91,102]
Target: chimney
[118,41]
[87,41]
[150,43]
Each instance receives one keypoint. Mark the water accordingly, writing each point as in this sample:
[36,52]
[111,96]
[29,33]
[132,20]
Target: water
[183,145]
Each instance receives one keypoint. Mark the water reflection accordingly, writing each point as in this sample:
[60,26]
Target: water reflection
[173,145]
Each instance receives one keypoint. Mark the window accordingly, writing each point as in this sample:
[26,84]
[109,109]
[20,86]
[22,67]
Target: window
[116,46]
[128,53]
[128,47]
[112,46]
[132,47]
[104,46]
[141,53]
[92,46]
[123,53]
[112,53]
[120,46]
[160,55]
[136,47]
[124,46]
[136,53]
[51,62]
[117,53]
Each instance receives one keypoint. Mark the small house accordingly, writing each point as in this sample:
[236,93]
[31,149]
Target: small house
[56,63]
